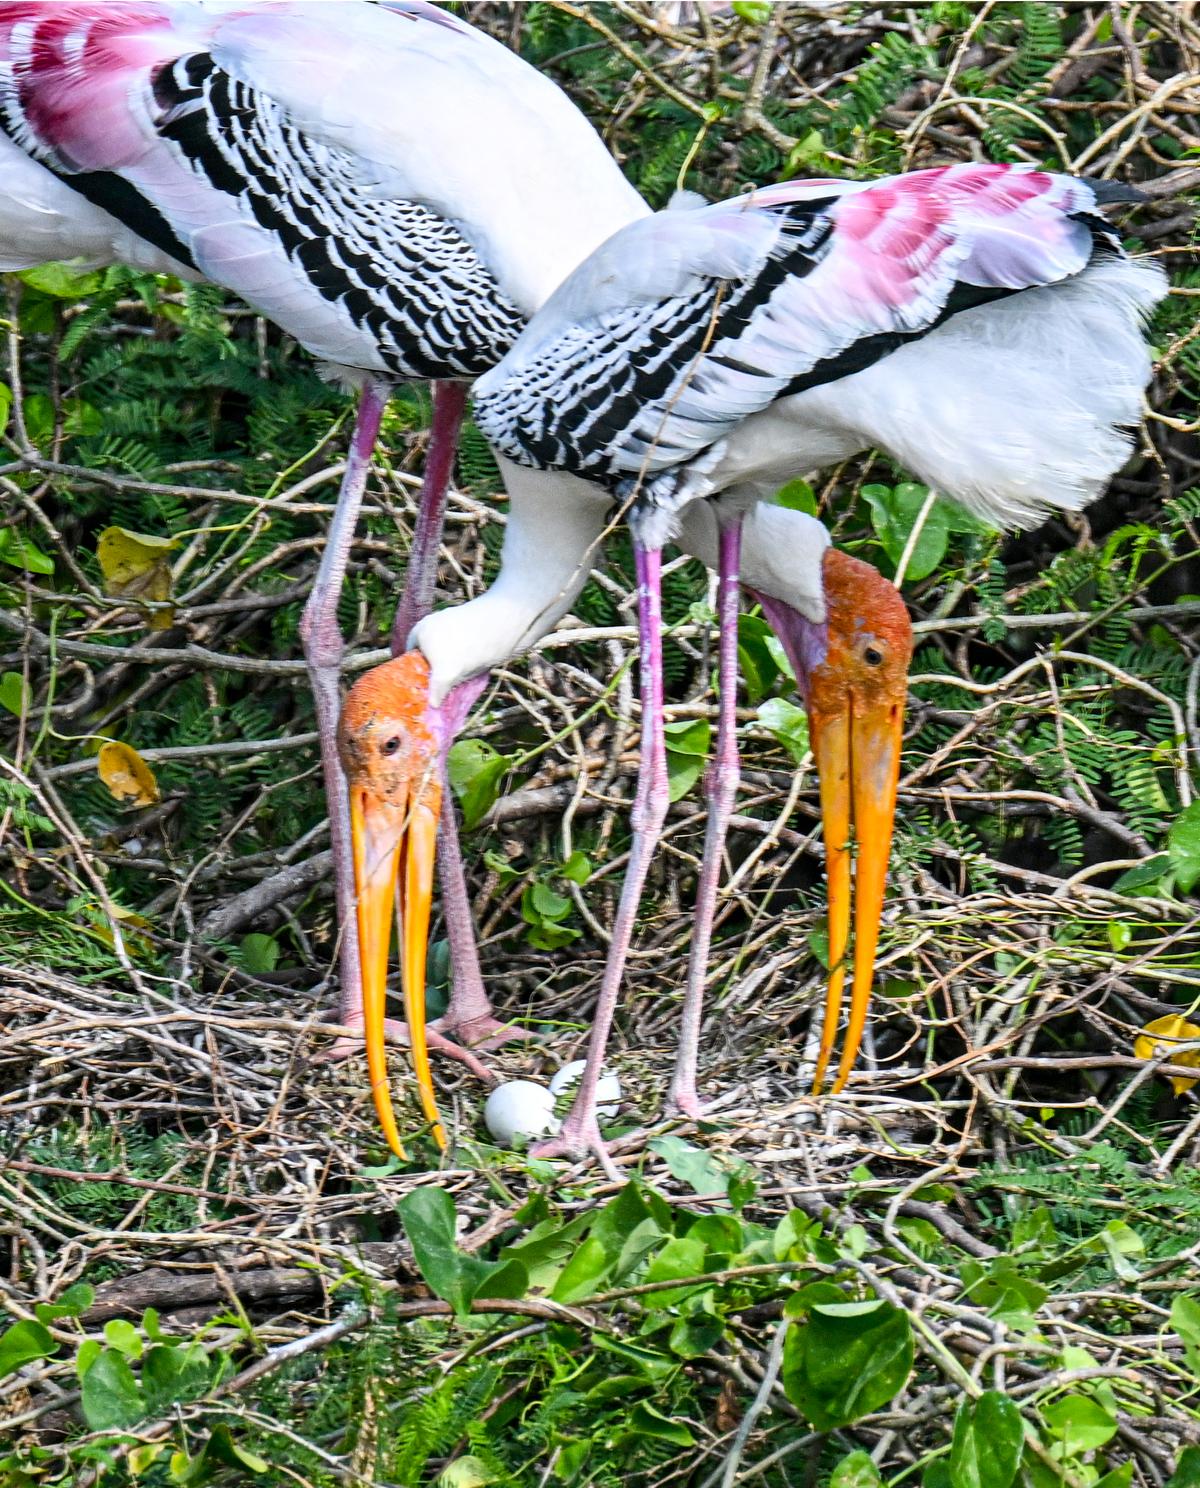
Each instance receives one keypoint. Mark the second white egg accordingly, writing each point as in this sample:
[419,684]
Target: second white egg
[608,1088]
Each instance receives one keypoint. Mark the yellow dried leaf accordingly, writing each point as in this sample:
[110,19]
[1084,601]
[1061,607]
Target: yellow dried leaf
[1161,1036]
[127,774]
[135,566]
[131,926]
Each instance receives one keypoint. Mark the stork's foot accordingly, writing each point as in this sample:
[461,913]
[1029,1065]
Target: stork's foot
[682,1100]
[482,1031]
[396,1032]
[576,1139]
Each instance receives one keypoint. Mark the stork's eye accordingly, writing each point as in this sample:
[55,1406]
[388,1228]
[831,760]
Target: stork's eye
[392,744]
[873,656]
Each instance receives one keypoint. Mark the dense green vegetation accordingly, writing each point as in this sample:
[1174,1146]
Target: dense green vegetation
[975,1268]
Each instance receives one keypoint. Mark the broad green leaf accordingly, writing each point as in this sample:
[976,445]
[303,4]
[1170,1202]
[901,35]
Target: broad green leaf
[680,1256]
[16,696]
[582,1273]
[798,495]
[1183,847]
[75,1300]
[258,953]
[628,1228]
[172,1374]
[1187,1470]
[467,1472]
[788,723]
[757,12]
[644,1420]
[475,771]
[120,1334]
[1119,1477]
[221,1447]
[857,1470]
[20,551]
[692,1165]
[1146,879]
[110,1395]
[988,1441]
[687,751]
[577,869]
[694,1334]
[429,1217]
[24,1342]
[540,902]
[756,660]
[1185,1319]
[63,281]
[894,513]
[849,1360]
[1079,1422]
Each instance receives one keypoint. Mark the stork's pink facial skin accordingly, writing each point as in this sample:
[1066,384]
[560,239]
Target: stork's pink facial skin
[856,698]
[391,754]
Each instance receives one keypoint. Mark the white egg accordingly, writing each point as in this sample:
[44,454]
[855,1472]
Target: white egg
[519,1110]
[608,1087]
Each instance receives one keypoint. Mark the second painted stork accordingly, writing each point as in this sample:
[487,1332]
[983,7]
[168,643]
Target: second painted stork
[387,184]
[981,324]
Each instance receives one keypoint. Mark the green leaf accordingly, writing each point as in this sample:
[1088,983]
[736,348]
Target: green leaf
[756,660]
[694,1334]
[989,1438]
[540,903]
[577,869]
[644,1420]
[680,1256]
[1183,847]
[757,12]
[467,1472]
[1081,1423]
[171,1374]
[700,1170]
[258,953]
[894,514]
[1119,1477]
[1187,1470]
[687,750]
[789,725]
[75,1300]
[16,695]
[582,1274]
[849,1360]
[1185,1319]
[62,281]
[857,1470]
[429,1219]
[798,495]
[1146,878]
[124,1337]
[475,771]
[110,1395]
[23,1343]
[18,551]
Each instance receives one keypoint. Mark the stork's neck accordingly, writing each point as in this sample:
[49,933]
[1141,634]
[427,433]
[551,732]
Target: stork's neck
[554,522]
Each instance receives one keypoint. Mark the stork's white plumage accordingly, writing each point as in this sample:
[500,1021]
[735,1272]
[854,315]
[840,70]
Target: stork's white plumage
[390,186]
[980,323]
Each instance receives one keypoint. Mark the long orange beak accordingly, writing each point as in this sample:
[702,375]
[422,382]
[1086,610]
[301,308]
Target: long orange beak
[857,750]
[394,847]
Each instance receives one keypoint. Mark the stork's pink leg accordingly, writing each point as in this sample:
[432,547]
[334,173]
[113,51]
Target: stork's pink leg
[323,647]
[720,786]
[581,1130]
[470,1013]
[420,578]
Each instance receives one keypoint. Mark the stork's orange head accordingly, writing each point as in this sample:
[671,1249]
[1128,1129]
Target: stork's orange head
[856,696]
[391,747]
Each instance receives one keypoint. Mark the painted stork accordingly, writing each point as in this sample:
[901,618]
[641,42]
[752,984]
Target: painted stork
[393,188]
[981,324]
